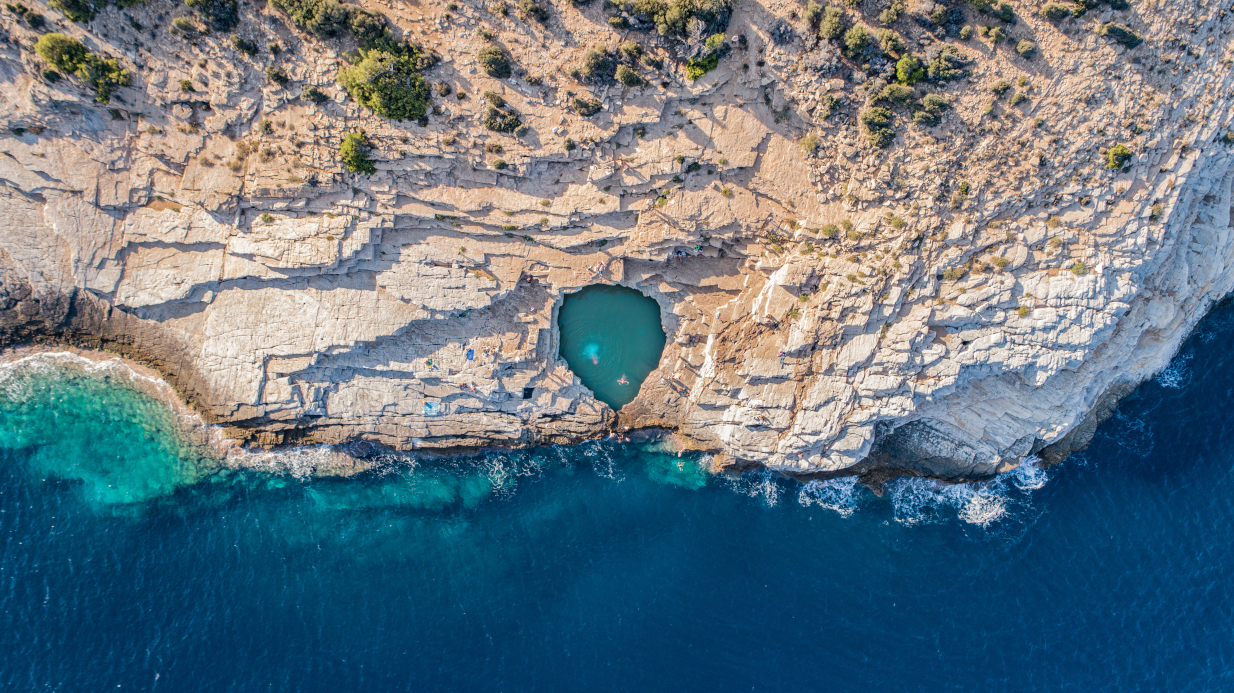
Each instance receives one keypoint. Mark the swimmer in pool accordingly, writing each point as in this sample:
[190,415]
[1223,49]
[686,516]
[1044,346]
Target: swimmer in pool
[592,351]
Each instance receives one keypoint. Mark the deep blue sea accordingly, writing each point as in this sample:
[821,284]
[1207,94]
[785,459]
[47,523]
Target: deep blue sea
[131,560]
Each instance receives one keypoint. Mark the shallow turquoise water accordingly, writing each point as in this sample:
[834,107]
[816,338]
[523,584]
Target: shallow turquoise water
[612,338]
[132,560]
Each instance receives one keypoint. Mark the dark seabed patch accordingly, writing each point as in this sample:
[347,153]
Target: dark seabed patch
[612,567]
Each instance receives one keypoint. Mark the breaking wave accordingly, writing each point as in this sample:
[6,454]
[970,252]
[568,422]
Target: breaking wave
[917,500]
[1178,373]
[843,495]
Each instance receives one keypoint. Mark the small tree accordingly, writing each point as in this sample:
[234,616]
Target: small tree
[80,11]
[1118,156]
[877,122]
[354,151]
[629,77]
[856,40]
[64,53]
[494,61]
[909,70]
[1055,12]
[833,24]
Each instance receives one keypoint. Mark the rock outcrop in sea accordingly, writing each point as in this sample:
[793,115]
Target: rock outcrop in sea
[937,244]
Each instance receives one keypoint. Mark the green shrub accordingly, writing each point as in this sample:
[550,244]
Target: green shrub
[966,33]
[629,77]
[186,85]
[494,98]
[598,66]
[244,45]
[857,40]
[62,52]
[586,107]
[494,61]
[1023,311]
[389,84]
[877,122]
[1054,12]
[277,76]
[952,274]
[265,127]
[1026,49]
[618,22]
[829,231]
[1017,99]
[528,9]
[889,41]
[498,120]
[891,14]
[80,11]
[324,18]
[370,30]
[949,65]
[354,151]
[1079,269]
[1118,156]
[895,94]
[933,103]
[809,143]
[909,70]
[184,25]
[996,34]
[104,75]
[814,14]
[221,15]
[631,50]
[314,94]
[569,145]
[674,18]
[500,165]
[1120,34]
[696,67]
[834,23]
[1006,12]
[1000,87]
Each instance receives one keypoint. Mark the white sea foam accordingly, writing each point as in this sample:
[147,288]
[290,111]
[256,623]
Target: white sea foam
[840,495]
[916,500]
[1178,373]
[1029,476]
[760,483]
[301,462]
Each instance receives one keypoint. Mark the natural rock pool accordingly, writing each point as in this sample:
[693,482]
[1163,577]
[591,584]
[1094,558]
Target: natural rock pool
[612,338]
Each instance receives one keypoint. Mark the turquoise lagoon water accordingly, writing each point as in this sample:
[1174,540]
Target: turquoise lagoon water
[612,338]
[131,558]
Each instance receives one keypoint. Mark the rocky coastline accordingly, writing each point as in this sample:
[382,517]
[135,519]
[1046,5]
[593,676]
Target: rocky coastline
[947,293]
